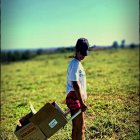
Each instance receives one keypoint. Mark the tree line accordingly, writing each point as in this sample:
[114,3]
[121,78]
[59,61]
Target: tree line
[18,55]
[13,56]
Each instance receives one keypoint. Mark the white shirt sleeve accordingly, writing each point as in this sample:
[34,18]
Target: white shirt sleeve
[73,73]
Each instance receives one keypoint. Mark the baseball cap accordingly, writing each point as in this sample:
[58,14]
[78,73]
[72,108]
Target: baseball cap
[82,46]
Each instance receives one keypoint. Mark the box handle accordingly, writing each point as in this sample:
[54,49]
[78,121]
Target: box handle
[74,116]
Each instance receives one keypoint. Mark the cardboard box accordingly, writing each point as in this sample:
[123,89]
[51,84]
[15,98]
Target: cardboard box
[49,119]
[46,122]
[30,132]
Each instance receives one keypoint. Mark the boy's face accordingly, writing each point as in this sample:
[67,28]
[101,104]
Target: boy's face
[80,56]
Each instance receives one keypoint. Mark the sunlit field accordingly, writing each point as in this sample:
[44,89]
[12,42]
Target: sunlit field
[112,87]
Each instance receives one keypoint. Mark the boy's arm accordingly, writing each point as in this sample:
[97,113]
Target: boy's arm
[78,94]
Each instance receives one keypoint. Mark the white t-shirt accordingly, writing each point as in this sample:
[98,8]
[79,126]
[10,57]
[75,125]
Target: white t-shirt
[76,72]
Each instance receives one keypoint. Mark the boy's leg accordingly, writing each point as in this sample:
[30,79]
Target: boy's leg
[78,127]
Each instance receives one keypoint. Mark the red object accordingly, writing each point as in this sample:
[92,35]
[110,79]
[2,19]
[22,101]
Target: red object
[72,102]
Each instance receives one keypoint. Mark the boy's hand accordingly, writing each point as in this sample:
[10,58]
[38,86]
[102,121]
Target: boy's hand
[83,107]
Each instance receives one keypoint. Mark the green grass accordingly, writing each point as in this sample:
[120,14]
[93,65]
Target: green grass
[112,86]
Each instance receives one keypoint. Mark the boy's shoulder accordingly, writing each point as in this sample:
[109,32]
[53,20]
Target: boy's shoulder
[74,62]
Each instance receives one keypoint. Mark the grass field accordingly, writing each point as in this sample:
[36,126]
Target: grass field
[112,86]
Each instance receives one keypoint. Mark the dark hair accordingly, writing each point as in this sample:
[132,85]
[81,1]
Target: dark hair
[82,46]
[82,43]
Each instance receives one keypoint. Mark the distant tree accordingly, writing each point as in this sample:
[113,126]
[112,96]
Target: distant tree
[26,55]
[17,56]
[4,57]
[132,46]
[9,56]
[123,44]
[39,51]
[12,56]
[62,50]
[115,44]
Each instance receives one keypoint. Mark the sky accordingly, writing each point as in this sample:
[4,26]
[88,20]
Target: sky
[59,23]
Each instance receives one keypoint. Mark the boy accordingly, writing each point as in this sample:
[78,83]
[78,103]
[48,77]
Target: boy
[76,88]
